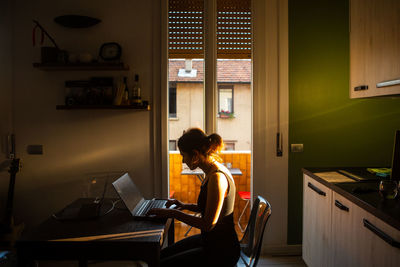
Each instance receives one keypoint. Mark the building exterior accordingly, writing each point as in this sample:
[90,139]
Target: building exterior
[234,100]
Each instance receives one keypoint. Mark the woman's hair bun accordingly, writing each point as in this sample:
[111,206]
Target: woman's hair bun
[196,139]
[216,143]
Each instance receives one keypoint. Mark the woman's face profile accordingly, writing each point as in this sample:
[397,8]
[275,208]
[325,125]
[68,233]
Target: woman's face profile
[188,160]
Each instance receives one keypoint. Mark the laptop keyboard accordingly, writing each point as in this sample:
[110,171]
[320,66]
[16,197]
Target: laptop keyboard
[150,204]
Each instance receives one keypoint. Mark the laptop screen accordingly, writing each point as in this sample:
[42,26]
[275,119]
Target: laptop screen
[128,191]
[396,157]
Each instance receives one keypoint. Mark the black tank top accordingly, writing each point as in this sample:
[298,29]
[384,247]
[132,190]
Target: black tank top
[221,242]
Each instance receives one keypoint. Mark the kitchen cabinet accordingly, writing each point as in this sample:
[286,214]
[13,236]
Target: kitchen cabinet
[316,222]
[374,48]
[347,233]
[353,243]
[338,232]
[379,252]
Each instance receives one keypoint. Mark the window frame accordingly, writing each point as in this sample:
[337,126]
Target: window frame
[270,68]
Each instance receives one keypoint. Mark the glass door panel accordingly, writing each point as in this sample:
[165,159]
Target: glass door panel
[234,108]
[185,95]
[234,95]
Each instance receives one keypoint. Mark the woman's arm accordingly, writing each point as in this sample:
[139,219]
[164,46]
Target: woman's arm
[191,207]
[216,190]
[182,206]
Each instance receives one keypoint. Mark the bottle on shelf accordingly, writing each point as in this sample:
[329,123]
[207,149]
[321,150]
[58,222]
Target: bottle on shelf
[125,97]
[136,98]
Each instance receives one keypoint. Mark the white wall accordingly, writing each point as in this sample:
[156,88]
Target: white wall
[78,142]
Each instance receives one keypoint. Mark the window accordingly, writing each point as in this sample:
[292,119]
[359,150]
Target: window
[191,37]
[225,100]
[218,44]
[172,145]
[229,145]
[172,100]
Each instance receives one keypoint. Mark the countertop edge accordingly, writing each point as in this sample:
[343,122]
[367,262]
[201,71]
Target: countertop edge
[362,204]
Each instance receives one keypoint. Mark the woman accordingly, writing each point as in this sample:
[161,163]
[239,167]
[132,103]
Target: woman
[217,245]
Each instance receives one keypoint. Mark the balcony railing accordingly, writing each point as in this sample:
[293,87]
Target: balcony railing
[186,188]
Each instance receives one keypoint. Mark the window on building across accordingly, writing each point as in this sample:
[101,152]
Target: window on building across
[229,145]
[172,145]
[225,100]
[172,100]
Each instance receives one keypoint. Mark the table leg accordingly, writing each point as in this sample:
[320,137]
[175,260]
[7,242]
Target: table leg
[200,177]
[83,263]
[171,233]
[26,263]
[154,262]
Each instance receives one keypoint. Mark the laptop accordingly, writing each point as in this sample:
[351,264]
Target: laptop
[133,199]
[86,211]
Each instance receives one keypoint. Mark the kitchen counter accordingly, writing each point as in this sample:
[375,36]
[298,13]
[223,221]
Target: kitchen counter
[363,193]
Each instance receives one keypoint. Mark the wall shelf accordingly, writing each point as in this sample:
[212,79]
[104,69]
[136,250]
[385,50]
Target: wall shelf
[81,66]
[65,107]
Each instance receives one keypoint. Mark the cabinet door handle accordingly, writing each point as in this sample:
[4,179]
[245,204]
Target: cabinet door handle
[316,189]
[387,238]
[361,87]
[388,83]
[341,206]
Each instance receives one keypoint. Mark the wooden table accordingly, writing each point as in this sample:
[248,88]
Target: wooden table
[113,236]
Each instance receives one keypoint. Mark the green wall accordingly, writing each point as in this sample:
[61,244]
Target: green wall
[335,130]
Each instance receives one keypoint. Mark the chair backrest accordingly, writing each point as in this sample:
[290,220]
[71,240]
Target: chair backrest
[253,235]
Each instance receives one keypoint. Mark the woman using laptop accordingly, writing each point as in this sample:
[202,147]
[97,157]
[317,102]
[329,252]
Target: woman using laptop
[218,244]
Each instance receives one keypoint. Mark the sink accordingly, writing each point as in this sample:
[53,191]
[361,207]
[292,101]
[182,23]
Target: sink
[363,187]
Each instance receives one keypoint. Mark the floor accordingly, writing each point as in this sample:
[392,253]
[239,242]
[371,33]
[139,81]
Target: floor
[287,261]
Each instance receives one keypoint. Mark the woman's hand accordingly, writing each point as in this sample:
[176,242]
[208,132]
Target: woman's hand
[161,213]
[179,205]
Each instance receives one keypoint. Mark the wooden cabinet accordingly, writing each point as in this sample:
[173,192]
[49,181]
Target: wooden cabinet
[374,48]
[337,232]
[381,244]
[316,222]
[347,238]
[354,240]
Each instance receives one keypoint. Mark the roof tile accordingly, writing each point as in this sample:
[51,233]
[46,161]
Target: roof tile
[228,70]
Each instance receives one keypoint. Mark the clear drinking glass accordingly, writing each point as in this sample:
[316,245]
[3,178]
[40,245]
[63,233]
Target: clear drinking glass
[388,189]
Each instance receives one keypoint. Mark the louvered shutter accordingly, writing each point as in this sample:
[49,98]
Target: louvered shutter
[186,30]
[185,27]
[234,29]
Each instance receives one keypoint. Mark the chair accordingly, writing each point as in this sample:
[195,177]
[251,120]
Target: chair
[252,239]
[244,195]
